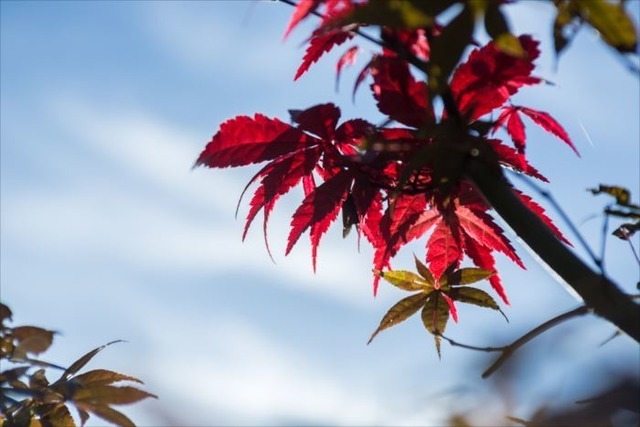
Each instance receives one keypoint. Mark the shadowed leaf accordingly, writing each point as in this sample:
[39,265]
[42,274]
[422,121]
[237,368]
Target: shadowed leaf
[496,25]
[5,313]
[109,395]
[32,339]
[611,21]
[59,416]
[113,416]
[394,14]
[424,271]
[79,364]
[626,230]
[99,377]
[448,47]
[400,312]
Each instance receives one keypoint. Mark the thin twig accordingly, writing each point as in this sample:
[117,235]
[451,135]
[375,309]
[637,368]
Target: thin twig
[531,335]
[605,232]
[508,350]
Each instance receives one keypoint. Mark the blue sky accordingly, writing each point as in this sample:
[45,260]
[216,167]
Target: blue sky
[107,233]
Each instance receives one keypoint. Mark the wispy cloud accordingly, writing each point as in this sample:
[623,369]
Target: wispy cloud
[208,36]
[162,214]
[246,378]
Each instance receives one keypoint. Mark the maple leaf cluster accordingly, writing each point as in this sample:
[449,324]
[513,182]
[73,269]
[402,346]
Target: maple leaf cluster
[404,179]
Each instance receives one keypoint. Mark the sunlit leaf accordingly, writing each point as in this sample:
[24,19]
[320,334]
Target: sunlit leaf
[475,296]
[465,276]
[405,280]
[453,311]
[400,312]
[434,317]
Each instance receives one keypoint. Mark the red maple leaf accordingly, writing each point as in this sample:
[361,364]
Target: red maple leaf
[347,58]
[490,77]
[400,96]
[321,43]
[516,130]
[302,10]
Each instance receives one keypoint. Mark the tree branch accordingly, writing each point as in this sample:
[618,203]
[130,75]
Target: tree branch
[508,350]
[599,293]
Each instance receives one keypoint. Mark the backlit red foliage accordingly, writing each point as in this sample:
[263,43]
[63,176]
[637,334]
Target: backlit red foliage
[403,180]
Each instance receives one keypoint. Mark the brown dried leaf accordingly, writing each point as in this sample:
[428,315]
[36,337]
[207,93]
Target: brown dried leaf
[110,395]
[79,364]
[99,377]
[32,339]
[113,416]
[5,313]
[59,416]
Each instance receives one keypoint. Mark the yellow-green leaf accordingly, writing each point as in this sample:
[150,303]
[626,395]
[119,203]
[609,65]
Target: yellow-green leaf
[510,44]
[621,194]
[405,280]
[435,315]
[612,22]
[476,297]
[400,312]
[424,272]
[465,276]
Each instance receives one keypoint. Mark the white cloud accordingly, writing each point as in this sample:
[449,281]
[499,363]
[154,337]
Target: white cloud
[163,215]
[199,35]
[247,378]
